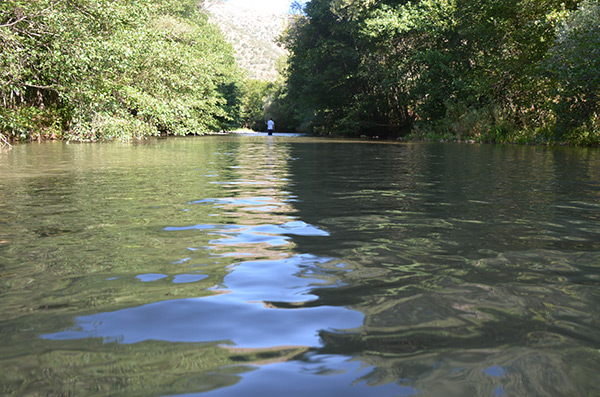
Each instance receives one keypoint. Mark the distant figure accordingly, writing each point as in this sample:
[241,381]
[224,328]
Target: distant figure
[270,126]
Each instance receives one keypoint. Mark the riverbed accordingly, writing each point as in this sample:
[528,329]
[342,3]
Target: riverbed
[252,265]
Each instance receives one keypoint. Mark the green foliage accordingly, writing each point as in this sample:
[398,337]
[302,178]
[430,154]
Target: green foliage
[232,94]
[122,69]
[478,69]
[281,108]
[322,70]
[475,69]
[267,99]
[574,63]
[587,134]
[257,95]
[46,123]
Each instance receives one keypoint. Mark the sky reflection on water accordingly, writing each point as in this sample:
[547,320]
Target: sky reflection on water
[310,376]
[242,316]
[252,266]
[223,318]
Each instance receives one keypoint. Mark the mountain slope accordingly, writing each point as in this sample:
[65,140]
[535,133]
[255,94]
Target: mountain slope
[253,36]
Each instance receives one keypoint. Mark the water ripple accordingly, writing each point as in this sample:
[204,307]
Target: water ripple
[242,317]
[266,233]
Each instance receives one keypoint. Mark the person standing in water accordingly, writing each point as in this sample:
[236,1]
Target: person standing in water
[270,126]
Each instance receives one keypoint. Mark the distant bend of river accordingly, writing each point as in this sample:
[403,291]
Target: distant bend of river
[283,265]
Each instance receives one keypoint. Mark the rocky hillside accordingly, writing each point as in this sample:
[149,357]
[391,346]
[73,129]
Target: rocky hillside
[253,36]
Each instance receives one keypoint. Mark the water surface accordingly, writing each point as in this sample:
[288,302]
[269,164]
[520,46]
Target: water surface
[255,265]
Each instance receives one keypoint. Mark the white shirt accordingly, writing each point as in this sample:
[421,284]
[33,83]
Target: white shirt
[270,125]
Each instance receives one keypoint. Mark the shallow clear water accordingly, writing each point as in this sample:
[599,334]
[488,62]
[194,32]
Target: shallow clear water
[255,265]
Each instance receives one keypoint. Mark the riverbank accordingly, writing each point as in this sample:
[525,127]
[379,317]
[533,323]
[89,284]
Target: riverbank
[4,142]
[417,135]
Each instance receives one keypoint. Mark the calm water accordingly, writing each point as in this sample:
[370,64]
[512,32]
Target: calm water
[288,266]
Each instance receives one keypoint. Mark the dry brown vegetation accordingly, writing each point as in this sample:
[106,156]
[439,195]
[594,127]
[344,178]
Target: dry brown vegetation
[253,36]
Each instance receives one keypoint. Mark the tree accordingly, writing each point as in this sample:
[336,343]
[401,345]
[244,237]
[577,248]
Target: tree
[256,98]
[322,69]
[472,69]
[115,69]
[574,63]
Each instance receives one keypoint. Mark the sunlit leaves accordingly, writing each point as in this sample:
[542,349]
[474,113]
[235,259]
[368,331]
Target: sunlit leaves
[440,62]
[575,63]
[160,64]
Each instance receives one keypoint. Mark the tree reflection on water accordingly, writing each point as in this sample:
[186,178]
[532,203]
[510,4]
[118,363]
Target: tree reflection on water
[298,266]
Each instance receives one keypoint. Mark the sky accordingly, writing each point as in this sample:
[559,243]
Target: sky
[269,6]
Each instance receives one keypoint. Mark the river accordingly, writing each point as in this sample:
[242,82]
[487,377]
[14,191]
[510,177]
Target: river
[295,266]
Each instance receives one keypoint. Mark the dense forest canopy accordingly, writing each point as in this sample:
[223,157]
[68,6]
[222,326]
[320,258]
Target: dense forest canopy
[483,70]
[121,68]
[512,70]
